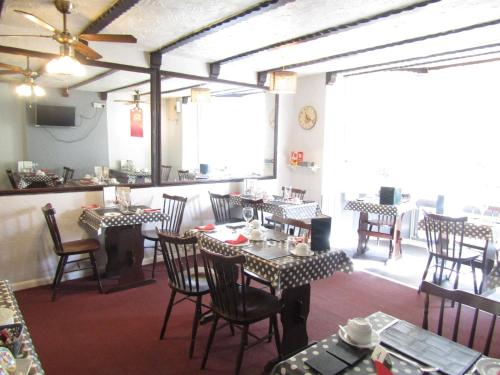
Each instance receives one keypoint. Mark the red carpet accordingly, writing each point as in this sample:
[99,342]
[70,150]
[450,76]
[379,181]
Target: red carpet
[84,332]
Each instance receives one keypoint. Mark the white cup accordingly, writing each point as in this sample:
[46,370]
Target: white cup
[256,235]
[359,331]
[113,181]
[255,224]
[301,249]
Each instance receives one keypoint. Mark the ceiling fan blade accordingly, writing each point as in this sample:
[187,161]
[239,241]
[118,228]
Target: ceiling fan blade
[86,50]
[116,38]
[37,20]
[35,35]
[11,67]
[6,72]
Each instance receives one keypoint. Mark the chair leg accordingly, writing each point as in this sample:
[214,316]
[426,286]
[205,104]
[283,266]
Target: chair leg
[243,343]
[476,291]
[441,272]
[155,251]
[270,331]
[277,339]
[64,259]
[429,260]
[167,313]
[58,269]
[196,320]
[458,274]
[96,271]
[247,281]
[209,343]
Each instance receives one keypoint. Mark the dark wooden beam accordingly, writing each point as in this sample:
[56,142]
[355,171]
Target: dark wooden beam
[387,65]
[116,10]
[329,31]
[260,8]
[155,79]
[330,78]
[27,52]
[103,95]
[214,70]
[115,66]
[176,90]
[261,78]
[168,74]
[387,45]
[92,79]
[465,63]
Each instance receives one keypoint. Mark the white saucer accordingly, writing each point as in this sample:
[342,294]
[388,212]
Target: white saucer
[308,254]
[488,366]
[347,340]
[112,214]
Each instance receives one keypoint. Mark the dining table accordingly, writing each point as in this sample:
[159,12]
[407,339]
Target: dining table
[123,242]
[27,352]
[290,275]
[299,364]
[366,207]
[281,207]
[25,180]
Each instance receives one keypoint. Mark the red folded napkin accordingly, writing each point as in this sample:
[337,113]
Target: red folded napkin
[151,209]
[235,194]
[90,206]
[241,239]
[381,369]
[205,227]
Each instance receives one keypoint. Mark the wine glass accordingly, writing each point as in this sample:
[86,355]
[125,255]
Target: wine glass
[247,213]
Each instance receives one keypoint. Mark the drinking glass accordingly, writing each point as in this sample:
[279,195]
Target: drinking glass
[287,194]
[247,213]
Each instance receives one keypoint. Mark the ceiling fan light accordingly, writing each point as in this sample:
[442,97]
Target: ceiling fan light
[65,65]
[23,90]
[283,82]
[38,91]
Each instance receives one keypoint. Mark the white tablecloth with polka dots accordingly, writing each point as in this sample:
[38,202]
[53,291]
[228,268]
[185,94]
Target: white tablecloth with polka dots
[286,272]
[477,229]
[296,365]
[304,210]
[8,300]
[380,209]
[96,218]
[493,279]
[26,180]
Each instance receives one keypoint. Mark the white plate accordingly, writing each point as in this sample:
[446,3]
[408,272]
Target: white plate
[308,254]
[23,366]
[488,366]
[112,214]
[345,338]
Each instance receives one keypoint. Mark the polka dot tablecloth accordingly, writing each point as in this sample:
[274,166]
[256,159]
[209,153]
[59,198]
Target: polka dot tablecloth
[480,230]
[296,365]
[380,209]
[8,300]
[99,218]
[303,210]
[26,180]
[493,278]
[288,271]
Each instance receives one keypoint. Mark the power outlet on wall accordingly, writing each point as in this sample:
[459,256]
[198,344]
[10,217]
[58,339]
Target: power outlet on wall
[98,105]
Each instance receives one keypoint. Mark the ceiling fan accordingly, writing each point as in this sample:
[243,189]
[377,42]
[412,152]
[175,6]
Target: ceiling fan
[68,41]
[28,87]
[136,99]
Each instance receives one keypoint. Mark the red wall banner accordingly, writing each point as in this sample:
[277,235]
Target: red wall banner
[136,122]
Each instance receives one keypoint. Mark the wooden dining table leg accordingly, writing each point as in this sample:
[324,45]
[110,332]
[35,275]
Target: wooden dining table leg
[362,229]
[397,238]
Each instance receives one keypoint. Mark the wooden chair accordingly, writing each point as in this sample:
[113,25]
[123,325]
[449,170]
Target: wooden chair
[183,174]
[445,237]
[12,180]
[237,303]
[481,305]
[256,204]
[221,208]
[180,256]
[67,174]
[66,249]
[165,172]
[295,193]
[382,226]
[173,208]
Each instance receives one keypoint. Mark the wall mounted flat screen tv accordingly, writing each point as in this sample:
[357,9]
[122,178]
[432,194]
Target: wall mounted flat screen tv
[52,115]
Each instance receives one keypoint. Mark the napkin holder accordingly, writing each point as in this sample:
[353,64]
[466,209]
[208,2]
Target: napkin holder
[390,195]
[321,228]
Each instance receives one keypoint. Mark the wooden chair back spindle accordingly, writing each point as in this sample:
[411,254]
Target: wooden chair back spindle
[221,207]
[173,207]
[50,217]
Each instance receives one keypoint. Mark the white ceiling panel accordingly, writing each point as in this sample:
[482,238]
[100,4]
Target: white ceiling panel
[119,78]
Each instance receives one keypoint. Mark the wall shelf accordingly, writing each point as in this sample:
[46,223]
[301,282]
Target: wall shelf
[305,164]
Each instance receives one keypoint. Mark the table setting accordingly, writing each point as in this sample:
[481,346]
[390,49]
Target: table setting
[373,345]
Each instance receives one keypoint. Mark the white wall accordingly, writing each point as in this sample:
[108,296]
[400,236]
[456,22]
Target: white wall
[310,91]
[122,146]
[13,130]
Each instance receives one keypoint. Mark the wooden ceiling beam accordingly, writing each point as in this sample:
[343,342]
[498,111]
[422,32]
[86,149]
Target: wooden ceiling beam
[260,8]
[168,74]
[115,11]
[384,66]
[387,45]
[328,31]
[92,79]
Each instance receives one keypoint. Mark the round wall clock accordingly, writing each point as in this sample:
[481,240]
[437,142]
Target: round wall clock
[307,117]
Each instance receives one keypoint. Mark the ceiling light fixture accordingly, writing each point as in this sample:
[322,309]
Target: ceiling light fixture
[200,95]
[65,63]
[29,89]
[283,82]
